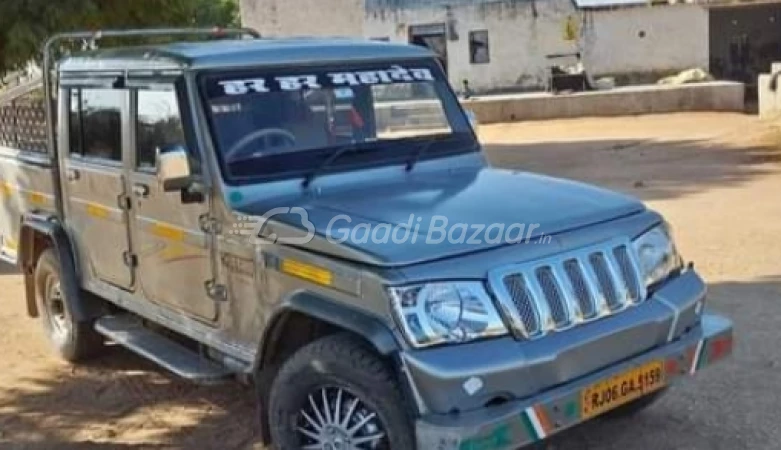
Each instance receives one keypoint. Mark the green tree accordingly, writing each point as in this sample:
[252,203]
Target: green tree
[25,24]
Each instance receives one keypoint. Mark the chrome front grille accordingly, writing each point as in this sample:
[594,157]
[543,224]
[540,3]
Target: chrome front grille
[561,292]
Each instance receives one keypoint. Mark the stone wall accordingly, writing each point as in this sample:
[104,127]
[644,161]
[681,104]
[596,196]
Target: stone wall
[304,17]
[658,39]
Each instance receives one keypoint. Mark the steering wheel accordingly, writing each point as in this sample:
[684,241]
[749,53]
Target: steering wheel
[265,135]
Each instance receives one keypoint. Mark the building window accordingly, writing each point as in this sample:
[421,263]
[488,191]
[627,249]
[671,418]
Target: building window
[159,125]
[478,47]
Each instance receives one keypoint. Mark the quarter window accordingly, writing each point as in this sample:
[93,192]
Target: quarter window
[159,125]
[479,52]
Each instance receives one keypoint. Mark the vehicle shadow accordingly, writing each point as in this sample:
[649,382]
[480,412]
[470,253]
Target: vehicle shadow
[8,269]
[729,405]
[123,401]
[644,168]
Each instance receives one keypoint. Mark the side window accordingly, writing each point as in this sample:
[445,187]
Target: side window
[96,124]
[159,125]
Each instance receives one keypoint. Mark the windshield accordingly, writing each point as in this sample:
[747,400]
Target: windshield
[288,122]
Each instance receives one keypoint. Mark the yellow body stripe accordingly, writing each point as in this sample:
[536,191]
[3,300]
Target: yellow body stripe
[98,211]
[37,198]
[168,232]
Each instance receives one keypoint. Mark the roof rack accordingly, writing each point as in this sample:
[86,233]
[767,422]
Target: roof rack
[92,37]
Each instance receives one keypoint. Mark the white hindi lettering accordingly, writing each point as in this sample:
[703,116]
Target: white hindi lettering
[422,74]
[234,87]
[398,73]
[239,87]
[296,83]
[395,74]
[342,78]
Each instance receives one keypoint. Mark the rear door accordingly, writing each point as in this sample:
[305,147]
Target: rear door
[95,182]
[173,252]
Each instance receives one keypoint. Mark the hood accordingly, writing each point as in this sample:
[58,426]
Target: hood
[428,216]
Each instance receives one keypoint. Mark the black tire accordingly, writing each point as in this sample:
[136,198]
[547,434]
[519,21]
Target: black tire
[345,365]
[635,407]
[73,340]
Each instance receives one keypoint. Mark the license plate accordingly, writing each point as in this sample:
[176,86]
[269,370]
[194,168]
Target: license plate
[621,389]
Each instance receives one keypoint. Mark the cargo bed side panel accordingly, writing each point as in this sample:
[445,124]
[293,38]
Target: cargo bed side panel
[25,185]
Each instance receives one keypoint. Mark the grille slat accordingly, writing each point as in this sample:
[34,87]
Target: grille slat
[628,274]
[549,296]
[552,293]
[606,286]
[524,305]
[577,280]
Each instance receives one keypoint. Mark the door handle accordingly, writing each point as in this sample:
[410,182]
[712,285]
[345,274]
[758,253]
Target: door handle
[73,175]
[141,190]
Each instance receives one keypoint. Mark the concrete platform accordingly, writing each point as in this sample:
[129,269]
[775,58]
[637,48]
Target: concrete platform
[769,91]
[647,99]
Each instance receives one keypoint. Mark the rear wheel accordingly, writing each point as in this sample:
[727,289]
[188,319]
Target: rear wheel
[335,394]
[73,340]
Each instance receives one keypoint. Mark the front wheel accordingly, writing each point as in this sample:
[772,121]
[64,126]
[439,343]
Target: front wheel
[73,340]
[336,394]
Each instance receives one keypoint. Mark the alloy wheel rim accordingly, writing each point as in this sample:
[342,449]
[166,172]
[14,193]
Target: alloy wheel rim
[333,418]
[56,306]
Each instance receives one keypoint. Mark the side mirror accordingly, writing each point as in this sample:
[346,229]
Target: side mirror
[473,121]
[173,168]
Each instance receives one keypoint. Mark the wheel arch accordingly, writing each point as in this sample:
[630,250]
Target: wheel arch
[303,318]
[317,308]
[37,233]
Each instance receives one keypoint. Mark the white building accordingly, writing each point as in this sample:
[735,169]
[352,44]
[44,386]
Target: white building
[506,44]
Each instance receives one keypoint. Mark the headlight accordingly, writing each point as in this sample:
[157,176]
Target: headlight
[657,255]
[438,313]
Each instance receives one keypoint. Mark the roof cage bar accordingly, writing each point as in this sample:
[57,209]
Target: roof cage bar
[94,36]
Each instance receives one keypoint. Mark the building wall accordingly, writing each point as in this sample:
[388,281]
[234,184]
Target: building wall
[521,33]
[646,39]
[304,17]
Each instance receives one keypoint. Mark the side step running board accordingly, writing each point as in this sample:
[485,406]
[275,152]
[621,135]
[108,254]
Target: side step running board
[128,331]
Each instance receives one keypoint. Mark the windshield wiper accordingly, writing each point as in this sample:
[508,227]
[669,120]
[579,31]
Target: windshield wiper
[424,148]
[338,153]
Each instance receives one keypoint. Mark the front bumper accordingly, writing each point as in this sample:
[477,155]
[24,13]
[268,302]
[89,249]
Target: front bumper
[518,423]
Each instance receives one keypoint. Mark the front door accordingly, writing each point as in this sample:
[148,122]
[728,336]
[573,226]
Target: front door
[95,183]
[173,252]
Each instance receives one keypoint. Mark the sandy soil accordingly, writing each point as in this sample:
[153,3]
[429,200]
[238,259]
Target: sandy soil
[716,177]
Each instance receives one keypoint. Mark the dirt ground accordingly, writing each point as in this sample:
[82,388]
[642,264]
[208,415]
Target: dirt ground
[716,177]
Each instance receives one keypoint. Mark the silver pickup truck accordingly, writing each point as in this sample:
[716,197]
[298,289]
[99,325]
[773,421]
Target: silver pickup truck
[316,217]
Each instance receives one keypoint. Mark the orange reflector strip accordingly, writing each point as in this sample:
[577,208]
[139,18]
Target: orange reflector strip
[307,272]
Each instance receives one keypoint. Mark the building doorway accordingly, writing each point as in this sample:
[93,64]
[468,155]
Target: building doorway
[744,41]
[432,36]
